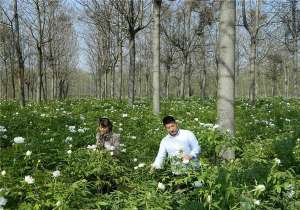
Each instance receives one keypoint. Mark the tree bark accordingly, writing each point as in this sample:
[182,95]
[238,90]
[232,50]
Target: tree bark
[131,79]
[156,56]
[226,84]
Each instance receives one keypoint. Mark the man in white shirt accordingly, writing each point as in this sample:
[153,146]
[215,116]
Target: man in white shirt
[178,144]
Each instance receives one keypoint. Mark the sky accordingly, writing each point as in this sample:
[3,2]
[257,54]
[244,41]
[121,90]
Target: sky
[80,31]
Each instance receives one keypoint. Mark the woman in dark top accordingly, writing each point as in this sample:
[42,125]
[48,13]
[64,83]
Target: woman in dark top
[105,138]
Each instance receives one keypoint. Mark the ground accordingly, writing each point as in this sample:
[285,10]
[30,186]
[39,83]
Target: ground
[48,161]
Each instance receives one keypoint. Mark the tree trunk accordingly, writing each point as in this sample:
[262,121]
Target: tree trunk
[226,94]
[156,56]
[182,78]
[167,80]
[131,78]
[252,89]
[40,74]
[12,72]
[203,78]
[6,80]
[190,90]
[286,84]
[105,84]
[295,68]
[121,69]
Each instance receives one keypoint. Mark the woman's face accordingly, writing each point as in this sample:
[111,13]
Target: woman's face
[104,130]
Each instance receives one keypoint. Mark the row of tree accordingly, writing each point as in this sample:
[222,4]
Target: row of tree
[149,48]
[37,46]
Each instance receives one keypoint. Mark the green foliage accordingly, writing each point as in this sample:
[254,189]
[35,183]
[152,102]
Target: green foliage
[264,174]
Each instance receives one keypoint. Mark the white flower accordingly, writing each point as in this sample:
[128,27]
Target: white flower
[82,117]
[70,145]
[186,161]
[81,130]
[135,160]
[123,150]
[216,126]
[68,139]
[93,147]
[196,119]
[111,153]
[124,115]
[290,194]
[58,203]
[133,137]
[69,151]
[122,145]
[120,129]
[3,173]
[28,153]
[3,201]
[136,167]
[19,140]
[43,115]
[72,129]
[277,161]
[141,165]
[260,188]
[198,184]
[29,179]
[161,186]
[56,173]
[256,202]
[208,199]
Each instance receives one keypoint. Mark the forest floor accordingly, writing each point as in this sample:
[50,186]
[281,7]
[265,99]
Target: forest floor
[48,159]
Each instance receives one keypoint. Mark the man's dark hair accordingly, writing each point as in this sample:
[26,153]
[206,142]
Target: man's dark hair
[168,119]
[105,123]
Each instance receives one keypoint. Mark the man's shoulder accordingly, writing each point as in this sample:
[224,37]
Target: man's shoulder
[186,132]
[165,139]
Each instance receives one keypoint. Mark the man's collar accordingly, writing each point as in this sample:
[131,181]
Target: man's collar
[176,134]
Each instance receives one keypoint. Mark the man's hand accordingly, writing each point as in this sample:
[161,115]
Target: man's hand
[186,157]
[152,168]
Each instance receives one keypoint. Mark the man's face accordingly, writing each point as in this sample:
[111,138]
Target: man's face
[172,128]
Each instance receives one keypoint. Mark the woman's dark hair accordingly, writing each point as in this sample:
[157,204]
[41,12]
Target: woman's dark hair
[105,123]
[168,120]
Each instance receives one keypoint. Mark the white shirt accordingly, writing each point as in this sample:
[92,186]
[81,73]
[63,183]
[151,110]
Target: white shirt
[184,141]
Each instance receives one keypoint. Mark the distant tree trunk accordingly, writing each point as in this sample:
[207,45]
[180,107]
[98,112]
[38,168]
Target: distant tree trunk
[140,80]
[286,83]
[156,56]
[167,80]
[121,69]
[253,45]
[252,90]
[274,82]
[295,68]
[106,84]
[12,73]
[203,77]
[40,74]
[6,80]
[226,95]
[131,79]
[190,90]
[182,79]
[188,59]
